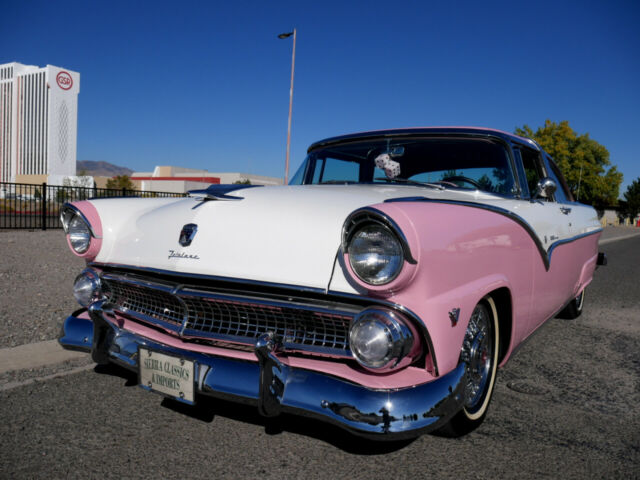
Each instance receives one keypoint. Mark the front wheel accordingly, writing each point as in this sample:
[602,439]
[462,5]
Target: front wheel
[480,355]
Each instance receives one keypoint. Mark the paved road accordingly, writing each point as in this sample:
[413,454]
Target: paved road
[568,405]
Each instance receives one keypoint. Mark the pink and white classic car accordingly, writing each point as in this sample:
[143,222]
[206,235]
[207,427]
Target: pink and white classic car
[380,290]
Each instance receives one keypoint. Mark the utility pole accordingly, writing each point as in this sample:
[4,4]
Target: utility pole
[293,66]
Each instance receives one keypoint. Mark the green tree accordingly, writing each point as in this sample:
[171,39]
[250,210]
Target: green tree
[583,161]
[119,182]
[243,181]
[631,203]
[485,183]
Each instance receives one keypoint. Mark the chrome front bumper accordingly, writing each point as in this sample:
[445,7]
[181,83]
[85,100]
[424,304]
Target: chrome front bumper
[276,387]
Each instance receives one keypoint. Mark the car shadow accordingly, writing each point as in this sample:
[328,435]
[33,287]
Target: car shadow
[114,370]
[207,408]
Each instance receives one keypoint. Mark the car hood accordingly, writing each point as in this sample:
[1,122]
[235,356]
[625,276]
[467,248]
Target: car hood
[286,235]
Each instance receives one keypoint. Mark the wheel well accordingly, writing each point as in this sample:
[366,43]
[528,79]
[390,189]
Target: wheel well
[502,298]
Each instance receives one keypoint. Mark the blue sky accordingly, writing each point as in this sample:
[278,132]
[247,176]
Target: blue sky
[206,84]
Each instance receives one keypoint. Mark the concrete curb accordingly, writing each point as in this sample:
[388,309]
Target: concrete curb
[30,381]
[34,355]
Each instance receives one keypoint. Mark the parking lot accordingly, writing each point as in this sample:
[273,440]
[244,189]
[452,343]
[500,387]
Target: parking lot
[567,405]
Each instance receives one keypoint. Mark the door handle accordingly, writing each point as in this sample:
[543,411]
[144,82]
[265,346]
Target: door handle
[565,210]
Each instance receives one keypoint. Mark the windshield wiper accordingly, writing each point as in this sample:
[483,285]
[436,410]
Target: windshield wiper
[406,181]
[337,182]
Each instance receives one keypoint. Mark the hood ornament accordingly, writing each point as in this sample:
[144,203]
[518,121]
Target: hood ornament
[187,233]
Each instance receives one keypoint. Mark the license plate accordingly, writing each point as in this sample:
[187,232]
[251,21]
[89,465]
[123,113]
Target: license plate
[166,374]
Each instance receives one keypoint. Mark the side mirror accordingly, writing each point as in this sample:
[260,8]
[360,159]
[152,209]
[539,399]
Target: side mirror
[546,187]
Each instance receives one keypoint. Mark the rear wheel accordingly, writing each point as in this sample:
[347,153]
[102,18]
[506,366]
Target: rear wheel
[573,308]
[480,355]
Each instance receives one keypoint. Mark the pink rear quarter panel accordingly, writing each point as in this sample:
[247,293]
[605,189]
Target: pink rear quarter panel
[571,269]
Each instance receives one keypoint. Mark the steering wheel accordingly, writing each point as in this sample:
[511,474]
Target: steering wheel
[461,178]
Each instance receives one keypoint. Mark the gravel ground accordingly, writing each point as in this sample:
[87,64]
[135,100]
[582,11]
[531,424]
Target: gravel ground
[36,276]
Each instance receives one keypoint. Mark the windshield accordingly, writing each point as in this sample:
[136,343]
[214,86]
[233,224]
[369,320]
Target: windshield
[467,163]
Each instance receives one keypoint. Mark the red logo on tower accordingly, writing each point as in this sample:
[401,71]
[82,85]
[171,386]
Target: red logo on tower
[64,80]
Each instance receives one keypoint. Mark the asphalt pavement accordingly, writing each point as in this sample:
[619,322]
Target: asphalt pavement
[566,406]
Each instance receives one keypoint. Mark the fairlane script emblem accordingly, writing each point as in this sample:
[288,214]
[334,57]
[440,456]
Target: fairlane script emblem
[187,233]
[174,254]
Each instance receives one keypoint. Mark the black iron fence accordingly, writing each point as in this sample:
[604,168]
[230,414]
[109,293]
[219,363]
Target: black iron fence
[28,206]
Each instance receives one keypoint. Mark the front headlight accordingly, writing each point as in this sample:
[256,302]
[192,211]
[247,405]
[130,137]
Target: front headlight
[379,339]
[86,288]
[79,234]
[375,254]
[77,228]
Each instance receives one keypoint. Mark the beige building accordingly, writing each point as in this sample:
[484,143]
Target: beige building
[181,180]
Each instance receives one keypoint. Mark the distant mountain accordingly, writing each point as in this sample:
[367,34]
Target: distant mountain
[101,169]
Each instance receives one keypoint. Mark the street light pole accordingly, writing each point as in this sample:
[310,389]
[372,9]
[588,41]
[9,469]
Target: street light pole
[293,67]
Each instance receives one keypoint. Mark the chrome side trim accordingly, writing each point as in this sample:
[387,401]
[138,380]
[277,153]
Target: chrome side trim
[380,414]
[544,254]
[572,239]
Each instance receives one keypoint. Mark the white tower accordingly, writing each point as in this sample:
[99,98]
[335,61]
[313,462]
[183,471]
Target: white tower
[38,121]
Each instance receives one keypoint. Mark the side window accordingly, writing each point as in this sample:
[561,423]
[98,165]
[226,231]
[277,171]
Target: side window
[532,168]
[563,194]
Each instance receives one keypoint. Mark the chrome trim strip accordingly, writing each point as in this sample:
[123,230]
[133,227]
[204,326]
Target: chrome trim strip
[380,414]
[544,254]
[215,278]
[572,239]
[321,292]
[76,210]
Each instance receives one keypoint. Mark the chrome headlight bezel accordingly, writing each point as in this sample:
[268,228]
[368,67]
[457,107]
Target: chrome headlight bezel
[372,219]
[73,222]
[388,326]
[87,287]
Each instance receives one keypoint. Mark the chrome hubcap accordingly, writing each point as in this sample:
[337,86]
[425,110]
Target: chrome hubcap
[477,354]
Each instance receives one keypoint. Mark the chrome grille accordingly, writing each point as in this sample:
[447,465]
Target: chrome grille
[151,302]
[229,317]
[250,320]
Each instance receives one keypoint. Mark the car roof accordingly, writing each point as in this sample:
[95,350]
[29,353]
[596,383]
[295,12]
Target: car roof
[424,131]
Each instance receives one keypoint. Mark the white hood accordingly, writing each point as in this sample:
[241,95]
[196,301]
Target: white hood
[287,235]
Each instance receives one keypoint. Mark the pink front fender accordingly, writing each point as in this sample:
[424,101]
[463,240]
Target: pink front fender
[465,253]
